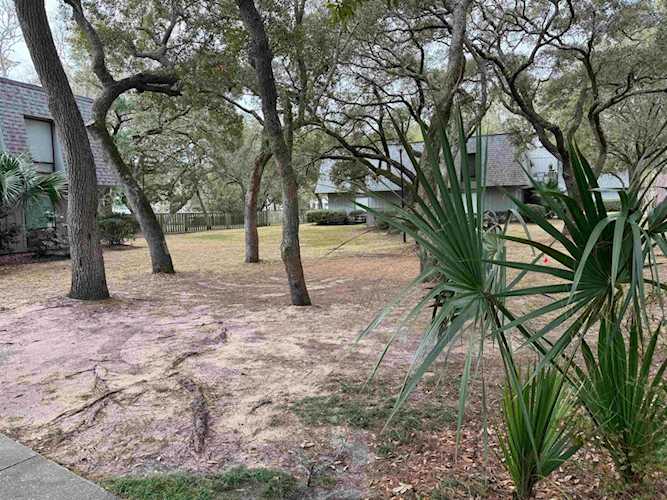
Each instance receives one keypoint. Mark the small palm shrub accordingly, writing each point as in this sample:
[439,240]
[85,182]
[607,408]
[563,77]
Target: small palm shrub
[117,229]
[625,392]
[598,266]
[21,183]
[537,438]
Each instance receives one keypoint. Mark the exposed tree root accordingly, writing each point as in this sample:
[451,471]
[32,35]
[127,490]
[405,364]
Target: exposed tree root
[259,404]
[182,357]
[200,414]
[90,404]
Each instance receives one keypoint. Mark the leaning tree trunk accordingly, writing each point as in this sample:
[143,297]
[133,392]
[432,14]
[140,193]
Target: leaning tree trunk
[88,275]
[290,250]
[251,195]
[150,227]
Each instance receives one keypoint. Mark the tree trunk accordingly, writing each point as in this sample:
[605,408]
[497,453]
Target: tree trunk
[150,227]
[202,205]
[250,204]
[88,275]
[262,56]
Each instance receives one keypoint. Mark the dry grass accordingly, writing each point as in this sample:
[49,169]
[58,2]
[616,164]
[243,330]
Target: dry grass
[215,251]
[120,386]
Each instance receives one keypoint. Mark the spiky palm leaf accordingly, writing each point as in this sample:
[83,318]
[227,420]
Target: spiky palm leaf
[536,439]
[447,221]
[601,257]
[20,183]
[625,391]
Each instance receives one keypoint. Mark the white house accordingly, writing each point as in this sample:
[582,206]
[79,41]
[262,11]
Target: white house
[506,167]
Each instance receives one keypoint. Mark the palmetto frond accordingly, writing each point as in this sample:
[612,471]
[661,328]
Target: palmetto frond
[20,183]
[447,222]
[603,259]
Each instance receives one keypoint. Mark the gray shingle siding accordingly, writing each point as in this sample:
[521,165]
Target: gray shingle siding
[19,100]
[503,163]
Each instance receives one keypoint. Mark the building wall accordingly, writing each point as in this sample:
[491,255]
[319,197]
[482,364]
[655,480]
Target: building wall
[345,202]
[541,162]
[20,102]
[497,199]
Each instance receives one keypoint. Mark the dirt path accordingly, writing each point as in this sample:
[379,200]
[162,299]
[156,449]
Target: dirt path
[191,372]
[203,370]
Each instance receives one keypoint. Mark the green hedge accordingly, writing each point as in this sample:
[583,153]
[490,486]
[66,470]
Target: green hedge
[117,229]
[315,216]
[332,217]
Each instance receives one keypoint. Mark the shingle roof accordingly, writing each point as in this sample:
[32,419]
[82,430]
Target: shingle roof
[18,100]
[503,165]
[503,160]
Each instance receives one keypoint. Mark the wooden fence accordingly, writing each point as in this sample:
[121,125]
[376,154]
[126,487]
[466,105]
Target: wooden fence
[194,222]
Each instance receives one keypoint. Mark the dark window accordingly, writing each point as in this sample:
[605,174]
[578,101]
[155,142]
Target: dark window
[471,166]
[41,144]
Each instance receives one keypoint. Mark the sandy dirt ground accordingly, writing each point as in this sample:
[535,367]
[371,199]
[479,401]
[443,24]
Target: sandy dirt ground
[197,371]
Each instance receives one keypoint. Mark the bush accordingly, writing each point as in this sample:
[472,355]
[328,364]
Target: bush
[328,218]
[612,205]
[315,216]
[8,237]
[537,439]
[116,229]
[625,392]
[539,210]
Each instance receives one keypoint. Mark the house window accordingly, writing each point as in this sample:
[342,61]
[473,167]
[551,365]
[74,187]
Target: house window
[472,172]
[41,145]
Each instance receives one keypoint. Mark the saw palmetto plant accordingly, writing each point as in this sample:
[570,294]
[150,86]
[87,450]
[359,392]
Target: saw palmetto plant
[20,183]
[624,389]
[536,440]
[604,268]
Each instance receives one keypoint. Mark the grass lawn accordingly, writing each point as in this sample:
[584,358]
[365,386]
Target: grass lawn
[208,384]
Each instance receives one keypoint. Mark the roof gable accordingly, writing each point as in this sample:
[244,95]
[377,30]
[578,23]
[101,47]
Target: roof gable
[19,100]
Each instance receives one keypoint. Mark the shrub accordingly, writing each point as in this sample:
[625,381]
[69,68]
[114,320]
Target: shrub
[626,398]
[613,205]
[539,210]
[332,218]
[8,236]
[315,216]
[536,440]
[116,229]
